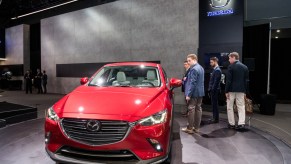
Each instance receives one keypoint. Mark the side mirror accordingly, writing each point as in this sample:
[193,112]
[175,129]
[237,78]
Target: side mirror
[84,80]
[174,83]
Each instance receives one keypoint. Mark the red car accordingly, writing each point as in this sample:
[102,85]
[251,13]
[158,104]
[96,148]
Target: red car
[122,114]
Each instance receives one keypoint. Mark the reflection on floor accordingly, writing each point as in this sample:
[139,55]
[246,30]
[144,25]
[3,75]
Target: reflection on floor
[217,144]
[214,144]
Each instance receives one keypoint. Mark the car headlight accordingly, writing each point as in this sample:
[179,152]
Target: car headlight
[51,114]
[157,118]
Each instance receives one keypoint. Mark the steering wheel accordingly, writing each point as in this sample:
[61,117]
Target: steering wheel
[153,85]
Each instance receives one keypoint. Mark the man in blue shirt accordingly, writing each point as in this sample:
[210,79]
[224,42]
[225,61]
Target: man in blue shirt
[194,92]
[214,88]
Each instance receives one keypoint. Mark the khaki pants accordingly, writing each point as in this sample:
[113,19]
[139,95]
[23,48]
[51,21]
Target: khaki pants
[240,103]
[194,112]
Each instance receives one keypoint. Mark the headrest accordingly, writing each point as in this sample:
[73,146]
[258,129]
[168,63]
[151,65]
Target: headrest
[151,75]
[121,76]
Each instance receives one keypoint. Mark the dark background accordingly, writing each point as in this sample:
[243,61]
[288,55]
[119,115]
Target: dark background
[82,69]
[280,83]
[256,46]
[35,52]
[2,44]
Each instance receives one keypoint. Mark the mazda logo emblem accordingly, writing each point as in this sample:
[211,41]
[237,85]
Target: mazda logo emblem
[216,4]
[93,125]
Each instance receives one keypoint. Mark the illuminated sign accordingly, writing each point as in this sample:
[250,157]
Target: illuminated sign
[219,12]
[217,8]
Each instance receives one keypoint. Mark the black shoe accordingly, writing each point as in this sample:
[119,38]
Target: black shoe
[213,121]
[240,127]
[231,126]
[184,114]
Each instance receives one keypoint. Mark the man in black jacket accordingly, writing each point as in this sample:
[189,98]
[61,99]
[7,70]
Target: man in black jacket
[28,81]
[44,81]
[237,80]
[214,88]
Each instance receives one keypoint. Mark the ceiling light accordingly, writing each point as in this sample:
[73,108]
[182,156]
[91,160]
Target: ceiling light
[44,9]
[276,37]
[278,31]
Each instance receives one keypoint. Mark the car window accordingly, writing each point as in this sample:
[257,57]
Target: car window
[127,76]
[166,77]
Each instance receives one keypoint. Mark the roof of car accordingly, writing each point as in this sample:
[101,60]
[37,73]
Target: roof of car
[133,63]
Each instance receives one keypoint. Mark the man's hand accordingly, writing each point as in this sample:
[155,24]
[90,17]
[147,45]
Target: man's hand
[187,98]
[227,95]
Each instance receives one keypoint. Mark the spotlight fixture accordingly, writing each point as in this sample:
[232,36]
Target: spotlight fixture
[43,9]
[278,31]
[276,37]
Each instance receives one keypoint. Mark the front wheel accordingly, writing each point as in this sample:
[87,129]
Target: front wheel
[168,160]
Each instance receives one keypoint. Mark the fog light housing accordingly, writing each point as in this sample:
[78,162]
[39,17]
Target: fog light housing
[155,143]
[47,137]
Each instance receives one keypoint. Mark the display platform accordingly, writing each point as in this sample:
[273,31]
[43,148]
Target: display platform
[213,144]
[11,113]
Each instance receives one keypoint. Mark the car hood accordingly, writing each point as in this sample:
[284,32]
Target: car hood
[86,100]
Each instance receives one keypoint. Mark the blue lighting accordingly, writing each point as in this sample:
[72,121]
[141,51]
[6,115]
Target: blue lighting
[220,12]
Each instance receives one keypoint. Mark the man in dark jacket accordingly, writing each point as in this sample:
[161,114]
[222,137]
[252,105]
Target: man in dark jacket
[214,88]
[184,111]
[38,81]
[28,81]
[44,81]
[237,81]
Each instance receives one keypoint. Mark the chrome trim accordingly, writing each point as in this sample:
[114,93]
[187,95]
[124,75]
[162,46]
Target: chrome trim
[64,132]
[96,155]
[60,158]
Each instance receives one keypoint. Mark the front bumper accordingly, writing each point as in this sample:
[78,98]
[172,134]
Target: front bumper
[136,142]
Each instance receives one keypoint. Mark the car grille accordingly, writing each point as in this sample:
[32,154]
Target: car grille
[109,156]
[110,131]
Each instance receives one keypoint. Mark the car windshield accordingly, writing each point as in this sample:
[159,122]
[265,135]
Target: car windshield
[127,76]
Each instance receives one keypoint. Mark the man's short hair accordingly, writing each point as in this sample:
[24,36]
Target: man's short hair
[193,57]
[214,59]
[235,55]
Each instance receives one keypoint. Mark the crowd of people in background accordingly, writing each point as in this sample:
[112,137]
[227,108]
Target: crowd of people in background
[39,81]
[237,79]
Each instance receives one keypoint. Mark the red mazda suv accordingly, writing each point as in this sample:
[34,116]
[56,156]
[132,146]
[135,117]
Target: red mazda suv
[122,114]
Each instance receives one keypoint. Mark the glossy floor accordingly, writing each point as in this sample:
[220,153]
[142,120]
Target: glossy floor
[23,143]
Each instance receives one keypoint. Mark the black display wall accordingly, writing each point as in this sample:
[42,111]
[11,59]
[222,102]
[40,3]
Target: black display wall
[220,32]
[280,60]
[220,26]
[35,53]
[2,43]
[255,55]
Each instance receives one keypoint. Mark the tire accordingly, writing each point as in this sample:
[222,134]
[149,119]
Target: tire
[168,160]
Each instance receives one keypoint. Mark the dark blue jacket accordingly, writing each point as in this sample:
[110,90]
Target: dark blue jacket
[184,81]
[194,85]
[237,78]
[215,78]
